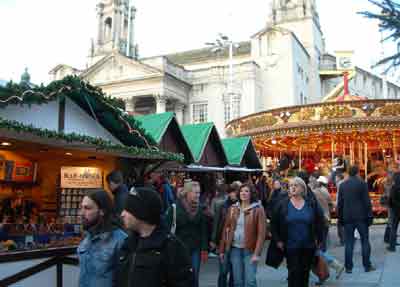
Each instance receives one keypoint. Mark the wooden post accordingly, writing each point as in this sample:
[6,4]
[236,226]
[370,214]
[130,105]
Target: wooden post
[366,159]
[300,158]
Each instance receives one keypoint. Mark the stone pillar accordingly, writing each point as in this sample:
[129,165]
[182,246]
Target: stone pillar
[161,104]
[235,106]
[130,105]
[179,111]
[100,24]
[116,27]
[131,33]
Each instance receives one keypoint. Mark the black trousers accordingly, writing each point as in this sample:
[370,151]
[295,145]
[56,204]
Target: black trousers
[299,263]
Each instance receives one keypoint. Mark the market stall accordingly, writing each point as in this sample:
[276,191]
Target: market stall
[242,158]
[56,143]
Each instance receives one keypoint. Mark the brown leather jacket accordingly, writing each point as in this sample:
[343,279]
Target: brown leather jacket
[254,228]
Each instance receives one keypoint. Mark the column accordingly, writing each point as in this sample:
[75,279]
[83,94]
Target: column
[130,105]
[161,103]
[235,106]
[131,32]
[100,8]
[179,112]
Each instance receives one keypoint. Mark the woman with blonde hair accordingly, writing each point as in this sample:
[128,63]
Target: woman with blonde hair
[243,236]
[297,228]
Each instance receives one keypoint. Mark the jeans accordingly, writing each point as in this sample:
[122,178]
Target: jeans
[340,232]
[363,230]
[393,230]
[225,269]
[388,225]
[299,263]
[196,260]
[243,270]
[325,233]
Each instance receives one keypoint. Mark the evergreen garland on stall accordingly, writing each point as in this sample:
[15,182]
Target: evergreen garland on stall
[108,111]
[99,143]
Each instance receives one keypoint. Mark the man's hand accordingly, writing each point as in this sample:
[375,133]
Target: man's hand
[204,256]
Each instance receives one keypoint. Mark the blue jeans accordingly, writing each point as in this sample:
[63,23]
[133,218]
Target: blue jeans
[196,260]
[362,228]
[393,230]
[243,270]
[225,269]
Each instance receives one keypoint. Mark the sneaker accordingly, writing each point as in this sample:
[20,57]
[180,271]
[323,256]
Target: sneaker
[349,271]
[339,272]
[370,269]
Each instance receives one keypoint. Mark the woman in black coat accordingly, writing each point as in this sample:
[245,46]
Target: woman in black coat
[297,230]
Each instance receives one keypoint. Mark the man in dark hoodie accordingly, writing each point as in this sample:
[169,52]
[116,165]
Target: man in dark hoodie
[152,256]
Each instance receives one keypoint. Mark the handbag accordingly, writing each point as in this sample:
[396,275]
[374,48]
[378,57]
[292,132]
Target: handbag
[320,268]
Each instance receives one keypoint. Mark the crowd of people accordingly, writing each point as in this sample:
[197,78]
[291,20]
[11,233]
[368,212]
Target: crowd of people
[159,235]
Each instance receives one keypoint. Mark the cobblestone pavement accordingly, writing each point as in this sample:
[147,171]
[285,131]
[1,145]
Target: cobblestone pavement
[386,275]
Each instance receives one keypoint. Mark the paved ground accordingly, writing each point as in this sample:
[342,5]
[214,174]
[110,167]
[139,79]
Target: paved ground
[386,275]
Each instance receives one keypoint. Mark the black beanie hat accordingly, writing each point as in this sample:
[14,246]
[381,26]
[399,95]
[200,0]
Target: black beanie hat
[144,203]
[102,199]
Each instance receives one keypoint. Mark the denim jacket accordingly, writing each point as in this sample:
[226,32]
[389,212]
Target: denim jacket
[98,258]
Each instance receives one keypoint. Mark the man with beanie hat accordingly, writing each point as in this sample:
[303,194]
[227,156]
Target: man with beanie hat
[151,256]
[98,251]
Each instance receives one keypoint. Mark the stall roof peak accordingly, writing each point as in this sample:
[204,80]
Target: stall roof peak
[240,151]
[197,135]
[155,124]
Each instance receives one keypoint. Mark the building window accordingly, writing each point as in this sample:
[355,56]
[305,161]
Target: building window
[227,111]
[199,113]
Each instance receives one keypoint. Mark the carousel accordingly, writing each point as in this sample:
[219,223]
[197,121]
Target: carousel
[346,129]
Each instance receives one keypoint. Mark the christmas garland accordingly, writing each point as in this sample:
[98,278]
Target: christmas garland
[99,143]
[107,110]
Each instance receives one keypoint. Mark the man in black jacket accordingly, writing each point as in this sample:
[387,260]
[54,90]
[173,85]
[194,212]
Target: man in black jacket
[151,256]
[355,212]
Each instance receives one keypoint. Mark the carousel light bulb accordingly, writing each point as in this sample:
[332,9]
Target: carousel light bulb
[5,144]
[273,141]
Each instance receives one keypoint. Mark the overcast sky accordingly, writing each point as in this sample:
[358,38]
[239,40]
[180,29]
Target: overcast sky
[43,33]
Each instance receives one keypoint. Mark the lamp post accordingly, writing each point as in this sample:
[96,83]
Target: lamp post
[221,43]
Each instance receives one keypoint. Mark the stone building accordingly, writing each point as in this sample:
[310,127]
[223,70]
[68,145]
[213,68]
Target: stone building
[283,64]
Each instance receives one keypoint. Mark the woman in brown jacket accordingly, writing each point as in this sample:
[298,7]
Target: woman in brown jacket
[244,235]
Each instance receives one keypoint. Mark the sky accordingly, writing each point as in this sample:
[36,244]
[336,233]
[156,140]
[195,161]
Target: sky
[41,34]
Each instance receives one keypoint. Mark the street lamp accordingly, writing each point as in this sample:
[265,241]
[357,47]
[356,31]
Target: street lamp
[221,43]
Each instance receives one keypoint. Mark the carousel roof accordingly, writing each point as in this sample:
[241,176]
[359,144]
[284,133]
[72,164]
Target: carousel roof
[317,126]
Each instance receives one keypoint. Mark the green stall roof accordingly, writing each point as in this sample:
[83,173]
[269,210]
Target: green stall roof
[155,124]
[241,151]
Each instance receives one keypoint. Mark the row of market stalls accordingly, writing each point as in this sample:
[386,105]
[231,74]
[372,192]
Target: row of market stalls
[201,145]
[60,140]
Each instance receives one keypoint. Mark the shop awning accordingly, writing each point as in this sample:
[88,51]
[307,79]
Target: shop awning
[241,153]
[16,132]
[241,169]
[205,144]
[165,131]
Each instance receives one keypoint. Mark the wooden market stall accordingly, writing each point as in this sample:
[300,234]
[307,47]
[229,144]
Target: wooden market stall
[57,142]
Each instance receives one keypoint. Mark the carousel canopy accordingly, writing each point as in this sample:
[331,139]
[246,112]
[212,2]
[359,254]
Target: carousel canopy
[205,144]
[330,126]
[240,152]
